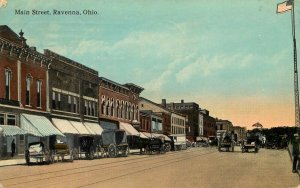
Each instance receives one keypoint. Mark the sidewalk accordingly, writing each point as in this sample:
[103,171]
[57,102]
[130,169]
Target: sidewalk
[10,162]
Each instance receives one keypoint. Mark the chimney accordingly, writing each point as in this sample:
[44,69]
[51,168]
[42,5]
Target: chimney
[182,101]
[164,103]
[33,48]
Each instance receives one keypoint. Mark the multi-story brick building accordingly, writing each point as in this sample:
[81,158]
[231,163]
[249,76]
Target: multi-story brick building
[209,124]
[145,104]
[73,97]
[23,89]
[118,104]
[190,109]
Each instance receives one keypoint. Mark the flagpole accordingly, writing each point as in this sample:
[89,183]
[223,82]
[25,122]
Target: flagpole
[296,89]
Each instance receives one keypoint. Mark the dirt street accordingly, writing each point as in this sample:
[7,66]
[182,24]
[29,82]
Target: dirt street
[196,167]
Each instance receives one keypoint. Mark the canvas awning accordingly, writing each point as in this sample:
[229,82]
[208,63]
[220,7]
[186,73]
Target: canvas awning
[94,128]
[162,135]
[10,130]
[64,126]
[129,129]
[142,135]
[38,125]
[80,128]
[149,135]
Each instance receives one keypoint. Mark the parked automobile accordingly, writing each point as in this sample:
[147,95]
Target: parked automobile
[37,151]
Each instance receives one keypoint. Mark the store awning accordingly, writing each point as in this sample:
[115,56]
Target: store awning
[130,130]
[142,135]
[149,135]
[10,130]
[93,128]
[80,128]
[38,125]
[162,135]
[64,126]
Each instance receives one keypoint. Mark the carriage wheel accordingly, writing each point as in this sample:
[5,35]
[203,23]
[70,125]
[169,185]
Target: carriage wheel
[27,157]
[71,155]
[125,151]
[75,154]
[112,150]
[91,153]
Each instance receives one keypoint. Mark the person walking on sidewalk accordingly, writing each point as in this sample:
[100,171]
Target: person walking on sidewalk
[13,148]
[295,152]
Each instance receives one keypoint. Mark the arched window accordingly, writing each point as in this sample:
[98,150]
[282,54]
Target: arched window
[126,110]
[118,109]
[122,109]
[112,107]
[133,111]
[103,104]
[107,107]
[129,111]
[28,88]
[7,83]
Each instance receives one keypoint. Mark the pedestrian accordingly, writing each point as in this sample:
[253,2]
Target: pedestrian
[295,152]
[13,148]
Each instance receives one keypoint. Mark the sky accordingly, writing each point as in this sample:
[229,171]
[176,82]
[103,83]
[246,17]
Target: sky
[232,57]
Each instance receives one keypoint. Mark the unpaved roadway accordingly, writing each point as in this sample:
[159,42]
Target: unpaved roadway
[196,167]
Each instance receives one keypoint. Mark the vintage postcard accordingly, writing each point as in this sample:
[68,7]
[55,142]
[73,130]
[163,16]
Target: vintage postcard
[137,93]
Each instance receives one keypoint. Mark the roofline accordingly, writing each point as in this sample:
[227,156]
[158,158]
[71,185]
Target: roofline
[106,79]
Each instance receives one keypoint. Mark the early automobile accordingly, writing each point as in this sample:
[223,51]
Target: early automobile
[37,153]
[249,144]
[226,142]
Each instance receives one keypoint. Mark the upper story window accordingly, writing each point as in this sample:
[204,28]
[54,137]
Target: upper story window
[39,93]
[53,100]
[7,83]
[7,119]
[28,86]
[75,105]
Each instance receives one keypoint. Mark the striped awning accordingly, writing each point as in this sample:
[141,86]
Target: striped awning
[38,125]
[80,128]
[162,135]
[129,129]
[9,130]
[142,135]
[64,126]
[94,128]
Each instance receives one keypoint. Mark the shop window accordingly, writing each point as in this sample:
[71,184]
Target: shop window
[7,83]
[11,120]
[1,119]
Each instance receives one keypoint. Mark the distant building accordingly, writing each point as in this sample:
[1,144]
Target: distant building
[118,104]
[240,132]
[224,125]
[146,104]
[191,109]
[209,124]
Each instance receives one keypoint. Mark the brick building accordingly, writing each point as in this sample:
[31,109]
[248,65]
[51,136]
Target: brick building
[118,104]
[23,88]
[191,109]
[72,98]
[209,124]
[146,104]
